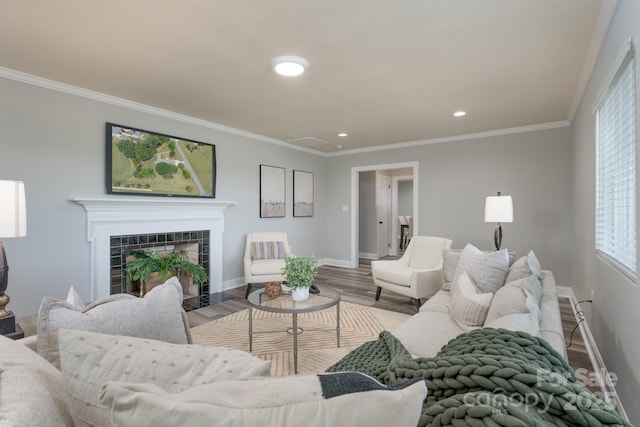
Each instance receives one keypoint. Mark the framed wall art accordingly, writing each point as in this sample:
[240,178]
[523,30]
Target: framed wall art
[147,163]
[272,192]
[302,193]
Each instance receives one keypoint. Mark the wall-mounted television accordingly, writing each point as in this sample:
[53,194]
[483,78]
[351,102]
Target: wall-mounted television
[146,163]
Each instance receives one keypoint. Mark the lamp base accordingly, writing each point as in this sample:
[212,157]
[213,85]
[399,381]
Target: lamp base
[8,327]
[497,236]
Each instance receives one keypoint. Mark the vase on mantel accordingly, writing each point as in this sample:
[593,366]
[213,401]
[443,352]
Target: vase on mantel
[300,294]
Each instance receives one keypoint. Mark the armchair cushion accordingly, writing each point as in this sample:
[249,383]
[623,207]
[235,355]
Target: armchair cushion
[267,266]
[394,272]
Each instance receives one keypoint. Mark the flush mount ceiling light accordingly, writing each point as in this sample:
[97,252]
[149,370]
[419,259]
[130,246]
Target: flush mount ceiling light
[459,114]
[342,134]
[289,66]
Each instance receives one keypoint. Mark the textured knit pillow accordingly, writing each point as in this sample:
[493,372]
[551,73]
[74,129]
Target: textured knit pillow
[159,315]
[338,399]
[89,360]
[468,306]
[487,269]
[267,250]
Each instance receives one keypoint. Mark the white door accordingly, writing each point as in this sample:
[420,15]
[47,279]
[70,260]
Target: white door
[383,209]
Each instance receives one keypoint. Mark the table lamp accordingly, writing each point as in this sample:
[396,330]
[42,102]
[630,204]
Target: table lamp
[13,223]
[498,209]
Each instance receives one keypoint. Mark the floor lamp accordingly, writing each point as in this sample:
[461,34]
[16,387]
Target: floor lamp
[13,223]
[498,209]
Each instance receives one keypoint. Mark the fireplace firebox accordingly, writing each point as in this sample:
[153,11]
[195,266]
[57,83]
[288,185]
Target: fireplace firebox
[195,296]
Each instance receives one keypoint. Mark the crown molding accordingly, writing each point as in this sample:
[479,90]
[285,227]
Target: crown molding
[466,137]
[33,80]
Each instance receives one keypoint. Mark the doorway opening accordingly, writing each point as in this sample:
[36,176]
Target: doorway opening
[396,173]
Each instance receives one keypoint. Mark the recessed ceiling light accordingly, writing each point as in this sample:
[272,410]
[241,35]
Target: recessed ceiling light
[342,134]
[459,114]
[289,66]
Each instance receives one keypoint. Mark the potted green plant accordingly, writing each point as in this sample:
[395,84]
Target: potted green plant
[148,262]
[300,272]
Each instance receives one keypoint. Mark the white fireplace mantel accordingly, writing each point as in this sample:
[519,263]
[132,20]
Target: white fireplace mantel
[108,217]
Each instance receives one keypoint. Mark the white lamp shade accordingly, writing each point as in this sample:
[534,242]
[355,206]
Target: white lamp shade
[13,209]
[498,209]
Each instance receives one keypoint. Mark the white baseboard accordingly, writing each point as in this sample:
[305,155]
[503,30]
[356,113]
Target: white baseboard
[335,262]
[368,255]
[233,283]
[595,356]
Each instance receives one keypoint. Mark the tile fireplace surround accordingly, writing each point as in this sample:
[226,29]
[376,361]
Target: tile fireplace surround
[107,217]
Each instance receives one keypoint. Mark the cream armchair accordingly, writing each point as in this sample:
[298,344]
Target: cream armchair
[264,255]
[417,274]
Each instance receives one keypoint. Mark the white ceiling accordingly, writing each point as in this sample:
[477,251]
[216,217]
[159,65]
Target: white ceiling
[384,71]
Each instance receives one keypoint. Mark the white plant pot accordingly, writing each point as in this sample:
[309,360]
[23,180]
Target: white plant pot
[300,294]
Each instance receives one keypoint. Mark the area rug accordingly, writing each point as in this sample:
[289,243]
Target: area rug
[317,350]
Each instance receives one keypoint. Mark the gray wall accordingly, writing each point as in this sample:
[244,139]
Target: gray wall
[535,168]
[614,315]
[55,143]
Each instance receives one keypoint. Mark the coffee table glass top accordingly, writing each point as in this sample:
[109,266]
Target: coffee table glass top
[285,304]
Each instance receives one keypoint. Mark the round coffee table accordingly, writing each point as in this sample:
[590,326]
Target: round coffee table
[285,304]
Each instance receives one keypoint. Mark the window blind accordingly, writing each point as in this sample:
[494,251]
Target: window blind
[616,170]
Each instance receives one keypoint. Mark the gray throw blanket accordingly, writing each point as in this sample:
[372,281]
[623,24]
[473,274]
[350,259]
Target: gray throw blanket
[487,377]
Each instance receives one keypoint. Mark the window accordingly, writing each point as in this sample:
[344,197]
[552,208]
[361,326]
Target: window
[616,170]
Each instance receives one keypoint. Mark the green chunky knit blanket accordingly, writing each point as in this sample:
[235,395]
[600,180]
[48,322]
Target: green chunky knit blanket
[487,377]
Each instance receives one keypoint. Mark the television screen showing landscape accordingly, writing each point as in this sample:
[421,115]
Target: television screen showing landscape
[153,164]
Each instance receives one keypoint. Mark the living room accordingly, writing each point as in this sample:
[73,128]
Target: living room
[53,140]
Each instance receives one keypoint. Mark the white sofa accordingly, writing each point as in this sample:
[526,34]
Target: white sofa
[426,332]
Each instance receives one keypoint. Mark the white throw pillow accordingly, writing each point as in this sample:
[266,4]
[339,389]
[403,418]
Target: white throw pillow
[31,392]
[468,306]
[89,360]
[450,258]
[515,298]
[338,399]
[74,299]
[524,267]
[159,315]
[527,322]
[488,270]
[534,264]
